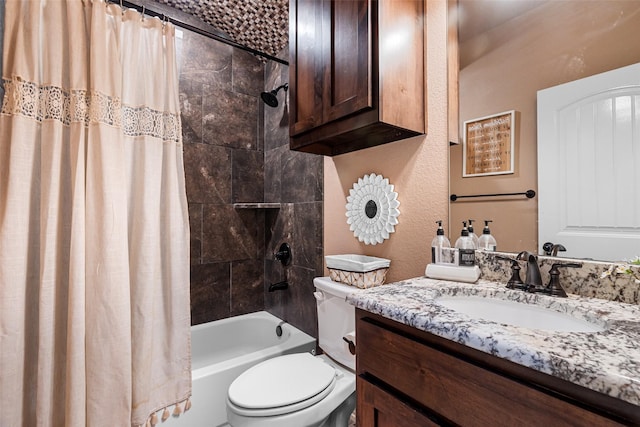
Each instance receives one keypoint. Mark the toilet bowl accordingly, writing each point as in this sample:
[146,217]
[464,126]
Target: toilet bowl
[292,391]
[303,390]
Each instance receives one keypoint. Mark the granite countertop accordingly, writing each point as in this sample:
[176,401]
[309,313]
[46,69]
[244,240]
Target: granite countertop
[607,361]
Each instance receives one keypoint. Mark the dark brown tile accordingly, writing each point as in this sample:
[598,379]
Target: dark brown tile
[306,172]
[205,79]
[210,292]
[307,241]
[247,286]
[191,110]
[229,234]
[276,120]
[201,53]
[300,310]
[261,132]
[207,173]
[273,174]
[230,119]
[274,302]
[195,226]
[247,176]
[247,73]
[276,127]
[261,234]
[279,225]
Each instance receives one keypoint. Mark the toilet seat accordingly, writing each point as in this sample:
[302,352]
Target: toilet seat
[282,385]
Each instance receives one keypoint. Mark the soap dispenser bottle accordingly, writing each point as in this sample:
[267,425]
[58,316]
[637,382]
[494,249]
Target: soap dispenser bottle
[438,243]
[487,242]
[473,235]
[466,248]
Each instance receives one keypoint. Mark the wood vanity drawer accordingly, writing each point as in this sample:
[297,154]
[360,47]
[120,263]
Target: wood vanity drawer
[456,389]
[376,407]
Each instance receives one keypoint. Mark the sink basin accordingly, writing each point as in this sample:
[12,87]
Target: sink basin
[517,314]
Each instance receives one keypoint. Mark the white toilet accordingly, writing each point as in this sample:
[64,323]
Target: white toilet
[302,390]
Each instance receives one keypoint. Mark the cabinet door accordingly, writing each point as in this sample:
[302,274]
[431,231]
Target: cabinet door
[377,408]
[330,68]
[348,68]
[306,48]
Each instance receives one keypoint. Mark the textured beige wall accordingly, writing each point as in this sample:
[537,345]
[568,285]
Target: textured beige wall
[417,167]
[503,69]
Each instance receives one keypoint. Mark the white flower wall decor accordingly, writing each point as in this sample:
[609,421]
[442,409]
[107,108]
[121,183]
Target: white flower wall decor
[372,209]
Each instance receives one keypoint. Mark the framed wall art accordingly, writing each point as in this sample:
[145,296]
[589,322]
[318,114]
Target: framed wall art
[489,145]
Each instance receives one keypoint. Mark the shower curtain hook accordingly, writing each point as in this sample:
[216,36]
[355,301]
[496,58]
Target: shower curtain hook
[143,12]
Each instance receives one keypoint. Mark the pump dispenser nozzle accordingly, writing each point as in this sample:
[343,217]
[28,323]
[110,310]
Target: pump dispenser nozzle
[438,244]
[465,230]
[487,242]
[472,234]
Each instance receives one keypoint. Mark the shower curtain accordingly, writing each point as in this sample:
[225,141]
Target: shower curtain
[94,267]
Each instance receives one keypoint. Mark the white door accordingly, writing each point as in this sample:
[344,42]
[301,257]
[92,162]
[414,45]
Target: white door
[589,165]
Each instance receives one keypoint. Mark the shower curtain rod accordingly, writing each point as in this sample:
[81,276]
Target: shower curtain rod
[197,27]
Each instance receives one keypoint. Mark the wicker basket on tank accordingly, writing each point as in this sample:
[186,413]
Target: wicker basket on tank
[357,270]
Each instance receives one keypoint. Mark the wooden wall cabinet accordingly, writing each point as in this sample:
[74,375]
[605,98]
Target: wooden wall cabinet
[356,73]
[407,377]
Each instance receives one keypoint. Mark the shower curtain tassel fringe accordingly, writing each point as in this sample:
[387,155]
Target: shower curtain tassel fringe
[177,410]
[165,414]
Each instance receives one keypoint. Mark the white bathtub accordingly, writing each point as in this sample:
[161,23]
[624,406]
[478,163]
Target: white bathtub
[222,350]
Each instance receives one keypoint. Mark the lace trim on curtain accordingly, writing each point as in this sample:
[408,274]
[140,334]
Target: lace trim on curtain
[81,106]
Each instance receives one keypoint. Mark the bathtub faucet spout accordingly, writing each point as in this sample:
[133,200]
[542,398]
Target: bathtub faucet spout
[280,286]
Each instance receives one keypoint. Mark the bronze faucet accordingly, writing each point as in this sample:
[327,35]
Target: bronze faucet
[533,278]
[551,249]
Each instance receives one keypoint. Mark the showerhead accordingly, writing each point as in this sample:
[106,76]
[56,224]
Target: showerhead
[271,98]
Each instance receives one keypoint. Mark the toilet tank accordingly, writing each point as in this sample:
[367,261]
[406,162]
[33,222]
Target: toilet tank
[336,319]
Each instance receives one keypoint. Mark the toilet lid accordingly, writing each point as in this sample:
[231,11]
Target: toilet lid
[281,382]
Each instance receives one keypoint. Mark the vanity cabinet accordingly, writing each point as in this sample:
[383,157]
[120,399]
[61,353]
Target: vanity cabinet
[356,73]
[408,377]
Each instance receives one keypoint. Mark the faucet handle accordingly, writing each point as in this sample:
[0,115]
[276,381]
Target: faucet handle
[566,264]
[515,282]
[554,287]
[284,254]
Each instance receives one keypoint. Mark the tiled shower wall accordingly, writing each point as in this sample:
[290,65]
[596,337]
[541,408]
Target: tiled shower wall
[235,151]
[293,179]
[223,155]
